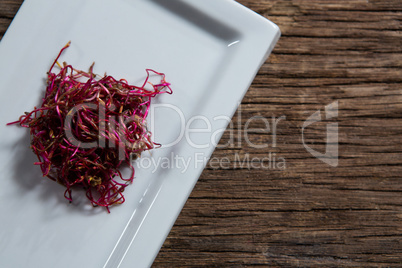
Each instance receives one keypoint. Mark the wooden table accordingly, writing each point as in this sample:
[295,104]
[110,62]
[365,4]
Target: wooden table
[304,212]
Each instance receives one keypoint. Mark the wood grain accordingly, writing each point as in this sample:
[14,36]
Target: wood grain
[308,213]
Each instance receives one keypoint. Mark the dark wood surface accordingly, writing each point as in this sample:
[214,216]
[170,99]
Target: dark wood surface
[305,213]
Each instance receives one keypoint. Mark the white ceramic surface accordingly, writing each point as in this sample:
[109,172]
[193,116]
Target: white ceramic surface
[210,51]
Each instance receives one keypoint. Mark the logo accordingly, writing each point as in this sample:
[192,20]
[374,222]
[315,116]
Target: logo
[330,156]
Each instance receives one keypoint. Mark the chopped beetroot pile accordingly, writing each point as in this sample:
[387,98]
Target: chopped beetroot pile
[88,126]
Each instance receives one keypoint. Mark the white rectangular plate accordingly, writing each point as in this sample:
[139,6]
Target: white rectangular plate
[210,51]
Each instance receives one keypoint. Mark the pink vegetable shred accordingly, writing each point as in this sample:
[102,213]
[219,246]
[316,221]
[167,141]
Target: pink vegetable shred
[88,126]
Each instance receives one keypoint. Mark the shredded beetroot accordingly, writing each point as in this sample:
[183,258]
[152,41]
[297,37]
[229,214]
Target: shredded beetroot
[87,126]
